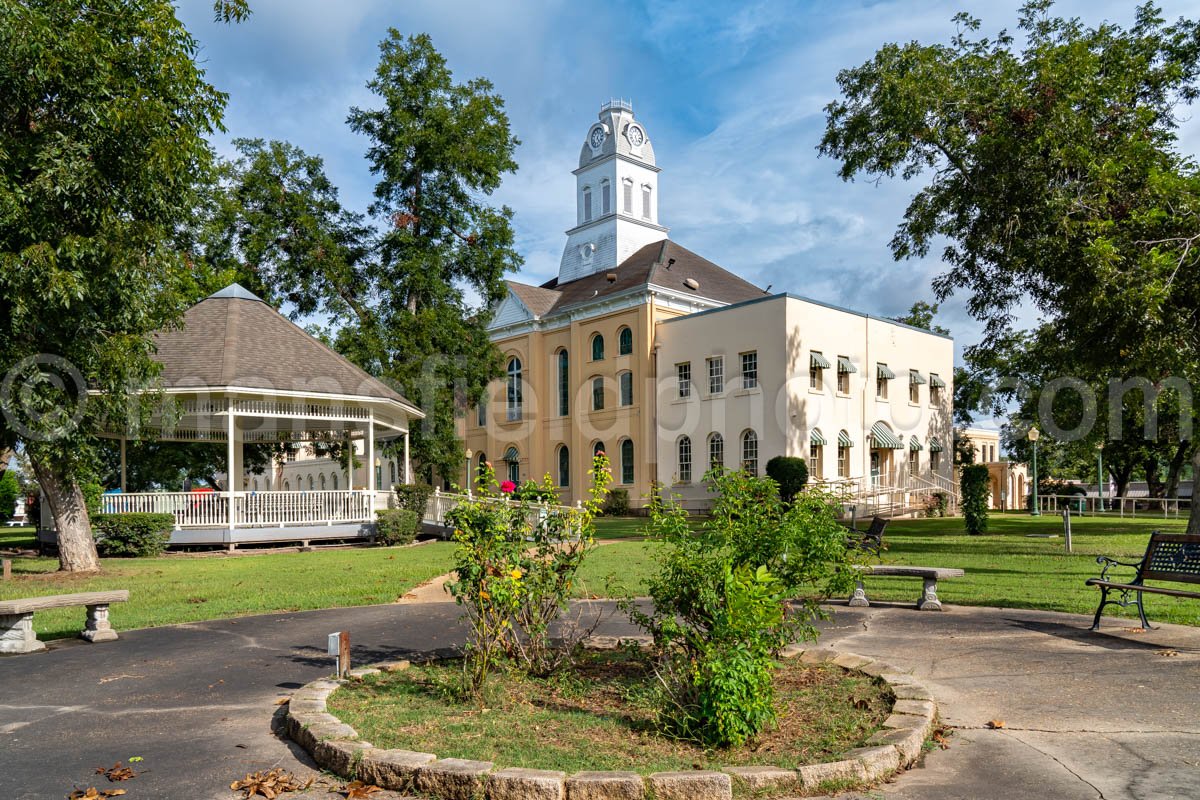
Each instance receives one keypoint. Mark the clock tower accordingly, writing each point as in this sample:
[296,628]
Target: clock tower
[616,195]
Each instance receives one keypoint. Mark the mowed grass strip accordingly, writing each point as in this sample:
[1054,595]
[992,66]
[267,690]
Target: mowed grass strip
[601,718]
[184,588]
[1005,568]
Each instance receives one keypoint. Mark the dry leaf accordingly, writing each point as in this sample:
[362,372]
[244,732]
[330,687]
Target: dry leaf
[1134,630]
[356,790]
[995,724]
[1166,652]
[116,772]
[270,784]
[940,737]
[92,793]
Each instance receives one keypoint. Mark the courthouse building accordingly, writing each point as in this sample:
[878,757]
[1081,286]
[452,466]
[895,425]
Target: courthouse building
[671,364]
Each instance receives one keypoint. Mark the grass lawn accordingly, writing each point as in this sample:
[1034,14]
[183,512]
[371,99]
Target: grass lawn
[1005,567]
[601,717]
[173,589]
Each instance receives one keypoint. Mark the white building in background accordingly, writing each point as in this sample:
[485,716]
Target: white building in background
[304,470]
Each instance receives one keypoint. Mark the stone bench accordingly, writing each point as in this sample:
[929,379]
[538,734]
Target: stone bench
[928,601]
[16,618]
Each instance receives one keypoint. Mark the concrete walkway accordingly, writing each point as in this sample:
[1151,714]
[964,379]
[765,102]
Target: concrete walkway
[1107,715]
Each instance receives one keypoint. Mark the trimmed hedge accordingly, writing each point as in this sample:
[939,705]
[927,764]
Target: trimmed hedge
[412,497]
[132,535]
[617,503]
[974,482]
[396,526]
[791,473]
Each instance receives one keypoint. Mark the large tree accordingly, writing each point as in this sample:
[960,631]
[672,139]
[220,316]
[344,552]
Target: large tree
[1052,172]
[407,286]
[103,119]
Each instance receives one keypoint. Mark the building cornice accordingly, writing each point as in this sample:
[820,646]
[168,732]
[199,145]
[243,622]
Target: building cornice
[619,216]
[616,157]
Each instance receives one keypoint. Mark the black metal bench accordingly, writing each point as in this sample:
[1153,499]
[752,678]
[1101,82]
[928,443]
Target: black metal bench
[1169,557]
[870,540]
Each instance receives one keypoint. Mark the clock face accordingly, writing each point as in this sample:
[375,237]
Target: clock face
[635,135]
[597,137]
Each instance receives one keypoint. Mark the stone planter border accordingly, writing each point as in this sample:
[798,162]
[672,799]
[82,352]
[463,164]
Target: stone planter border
[336,747]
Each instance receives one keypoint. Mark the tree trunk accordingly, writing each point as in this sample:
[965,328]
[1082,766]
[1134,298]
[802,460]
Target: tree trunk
[1194,518]
[1176,468]
[1154,484]
[1121,477]
[76,545]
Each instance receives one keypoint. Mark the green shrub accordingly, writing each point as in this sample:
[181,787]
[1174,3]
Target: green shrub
[10,490]
[790,472]
[92,492]
[536,493]
[617,504]
[939,503]
[720,601]
[396,526]
[412,497]
[132,535]
[974,482]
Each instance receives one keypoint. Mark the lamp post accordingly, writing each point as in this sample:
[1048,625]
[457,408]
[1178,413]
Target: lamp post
[1033,437]
[1100,473]
[469,455]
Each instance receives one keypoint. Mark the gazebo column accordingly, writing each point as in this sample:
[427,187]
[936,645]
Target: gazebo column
[407,461]
[233,475]
[123,489]
[371,460]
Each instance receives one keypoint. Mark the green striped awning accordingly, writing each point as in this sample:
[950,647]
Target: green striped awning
[511,454]
[934,445]
[818,361]
[915,377]
[914,444]
[883,438]
[936,382]
[844,439]
[844,365]
[816,438]
[882,371]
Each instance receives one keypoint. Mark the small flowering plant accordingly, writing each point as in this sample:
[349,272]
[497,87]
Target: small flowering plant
[515,564]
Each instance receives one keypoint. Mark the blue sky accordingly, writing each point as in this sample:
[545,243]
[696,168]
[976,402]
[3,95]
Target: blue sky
[731,94]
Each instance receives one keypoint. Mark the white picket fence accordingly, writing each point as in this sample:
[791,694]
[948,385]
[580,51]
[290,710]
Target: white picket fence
[251,509]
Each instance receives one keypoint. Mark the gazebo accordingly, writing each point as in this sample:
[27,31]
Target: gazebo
[239,372]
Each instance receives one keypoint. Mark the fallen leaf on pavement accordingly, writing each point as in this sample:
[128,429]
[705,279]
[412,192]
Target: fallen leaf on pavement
[356,790]
[92,792]
[940,737]
[1134,630]
[269,783]
[1166,652]
[116,772]
[995,724]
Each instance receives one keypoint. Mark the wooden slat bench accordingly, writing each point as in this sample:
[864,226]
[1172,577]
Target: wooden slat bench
[928,601]
[1169,557]
[16,618]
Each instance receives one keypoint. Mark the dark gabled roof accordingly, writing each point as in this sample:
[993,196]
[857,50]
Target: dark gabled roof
[664,264]
[232,338]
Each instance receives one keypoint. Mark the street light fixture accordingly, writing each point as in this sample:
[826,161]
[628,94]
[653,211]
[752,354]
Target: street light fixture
[1100,473]
[1033,437]
[469,455]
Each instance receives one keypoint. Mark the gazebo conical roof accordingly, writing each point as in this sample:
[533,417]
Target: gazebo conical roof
[234,340]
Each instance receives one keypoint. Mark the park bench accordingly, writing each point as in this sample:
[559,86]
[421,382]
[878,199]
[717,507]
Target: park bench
[870,540]
[1169,557]
[928,601]
[16,618]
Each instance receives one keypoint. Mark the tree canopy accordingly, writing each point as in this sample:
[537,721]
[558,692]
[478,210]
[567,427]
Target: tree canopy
[1051,170]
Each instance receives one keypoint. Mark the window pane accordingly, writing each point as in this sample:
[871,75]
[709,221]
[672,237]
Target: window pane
[750,452]
[564,389]
[750,370]
[716,451]
[514,389]
[564,467]
[627,461]
[605,199]
[646,202]
[684,373]
[626,388]
[716,375]
[628,198]
[625,342]
[685,460]
[597,348]
[587,205]
[597,394]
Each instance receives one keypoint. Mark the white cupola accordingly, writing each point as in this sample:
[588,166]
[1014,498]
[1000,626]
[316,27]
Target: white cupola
[616,195]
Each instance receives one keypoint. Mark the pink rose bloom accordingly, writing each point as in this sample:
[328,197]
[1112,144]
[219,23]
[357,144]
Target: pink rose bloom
[508,487]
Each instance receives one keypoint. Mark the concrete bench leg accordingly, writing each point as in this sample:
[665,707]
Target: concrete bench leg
[16,634]
[929,599]
[859,598]
[97,628]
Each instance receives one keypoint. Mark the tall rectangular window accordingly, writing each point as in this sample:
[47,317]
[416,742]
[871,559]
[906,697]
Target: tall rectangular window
[587,205]
[605,198]
[843,461]
[628,196]
[685,459]
[750,370]
[843,379]
[881,381]
[914,387]
[625,386]
[597,394]
[481,412]
[935,460]
[914,462]
[716,375]
[564,384]
[815,378]
[814,460]
[683,374]
[646,202]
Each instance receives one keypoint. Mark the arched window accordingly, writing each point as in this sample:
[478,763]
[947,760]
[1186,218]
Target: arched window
[287,487]
[392,472]
[625,383]
[587,203]
[605,197]
[481,411]
[513,459]
[627,461]
[716,451]
[481,459]
[335,481]
[564,384]
[597,348]
[597,394]
[624,342]
[514,389]
[322,477]
[750,452]
[564,466]
[597,449]
[685,459]
[310,483]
